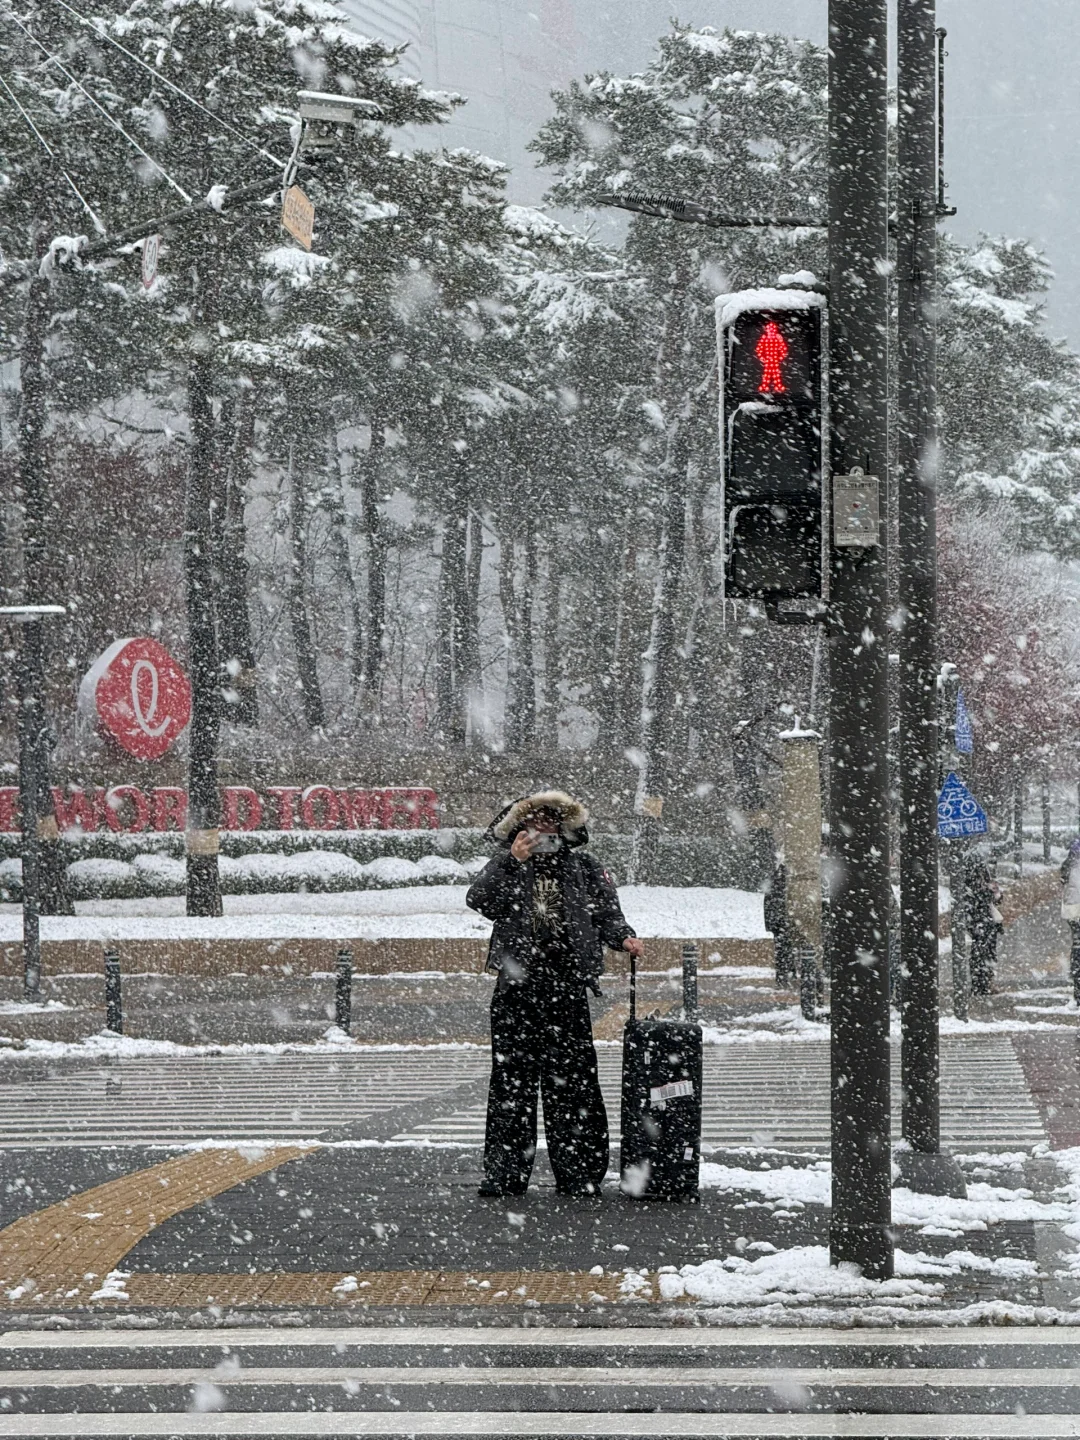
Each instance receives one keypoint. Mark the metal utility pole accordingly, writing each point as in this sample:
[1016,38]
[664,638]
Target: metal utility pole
[50,871]
[204,803]
[30,671]
[858,356]
[923,1166]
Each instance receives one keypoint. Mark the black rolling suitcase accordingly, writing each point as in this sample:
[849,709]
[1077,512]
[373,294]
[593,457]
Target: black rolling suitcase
[661,1106]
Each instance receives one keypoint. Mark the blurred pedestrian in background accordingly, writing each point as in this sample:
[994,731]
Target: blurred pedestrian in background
[982,897]
[1070,911]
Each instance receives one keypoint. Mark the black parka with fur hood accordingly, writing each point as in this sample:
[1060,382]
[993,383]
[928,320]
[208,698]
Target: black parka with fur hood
[503,890]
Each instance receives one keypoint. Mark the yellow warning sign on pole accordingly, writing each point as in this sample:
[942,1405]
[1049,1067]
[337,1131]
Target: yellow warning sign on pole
[298,215]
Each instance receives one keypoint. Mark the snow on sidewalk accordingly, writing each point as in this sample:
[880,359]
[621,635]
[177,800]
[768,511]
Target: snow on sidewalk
[803,1274]
[762,1284]
[436,912]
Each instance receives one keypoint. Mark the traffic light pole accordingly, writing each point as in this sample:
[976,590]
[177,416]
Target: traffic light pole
[923,1166]
[858,341]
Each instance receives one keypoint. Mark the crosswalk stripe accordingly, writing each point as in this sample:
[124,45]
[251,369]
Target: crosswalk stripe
[285,1425]
[519,1382]
[564,1377]
[769,1094]
[183,1098]
[754,1096]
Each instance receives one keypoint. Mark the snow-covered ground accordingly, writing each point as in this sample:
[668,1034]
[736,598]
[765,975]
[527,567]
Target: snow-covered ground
[415,912]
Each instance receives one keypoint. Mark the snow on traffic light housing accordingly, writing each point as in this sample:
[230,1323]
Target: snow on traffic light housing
[771,429]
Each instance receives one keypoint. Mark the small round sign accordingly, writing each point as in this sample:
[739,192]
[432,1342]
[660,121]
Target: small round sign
[151,246]
[139,695]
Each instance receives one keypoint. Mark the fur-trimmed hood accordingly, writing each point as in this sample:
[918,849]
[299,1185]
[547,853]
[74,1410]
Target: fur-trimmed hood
[572,817]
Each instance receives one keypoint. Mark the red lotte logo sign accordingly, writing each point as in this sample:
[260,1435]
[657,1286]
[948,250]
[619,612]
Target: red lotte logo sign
[129,809]
[137,693]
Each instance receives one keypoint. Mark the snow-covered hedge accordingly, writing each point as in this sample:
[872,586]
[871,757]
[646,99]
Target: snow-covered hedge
[459,844]
[133,867]
[313,870]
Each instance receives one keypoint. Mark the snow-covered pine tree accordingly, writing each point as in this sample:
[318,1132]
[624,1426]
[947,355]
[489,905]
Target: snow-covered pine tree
[736,120]
[1009,394]
[556,483]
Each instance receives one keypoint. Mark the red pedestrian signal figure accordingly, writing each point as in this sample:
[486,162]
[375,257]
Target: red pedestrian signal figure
[771,350]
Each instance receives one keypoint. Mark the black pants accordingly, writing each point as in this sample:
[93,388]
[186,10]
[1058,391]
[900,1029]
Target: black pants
[541,1037]
[984,939]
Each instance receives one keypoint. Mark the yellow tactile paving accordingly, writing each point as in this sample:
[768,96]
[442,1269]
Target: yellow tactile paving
[385,1287]
[62,1254]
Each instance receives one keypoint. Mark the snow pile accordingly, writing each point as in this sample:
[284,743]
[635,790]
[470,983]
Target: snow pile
[781,1024]
[108,1045]
[694,912]
[730,307]
[803,1275]
[791,1187]
[985,1205]
[1068,1161]
[114,1286]
[63,250]
[32,1007]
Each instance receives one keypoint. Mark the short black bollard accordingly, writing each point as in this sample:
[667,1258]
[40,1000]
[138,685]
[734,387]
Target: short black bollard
[114,1010]
[689,981]
[343,995]
[810,982]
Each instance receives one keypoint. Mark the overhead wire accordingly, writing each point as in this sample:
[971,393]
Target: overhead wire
[97,28]
[98,225]
[110,118]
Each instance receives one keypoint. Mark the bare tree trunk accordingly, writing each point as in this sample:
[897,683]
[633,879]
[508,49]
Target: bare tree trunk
[472,689]
[527,707]
[659,666]
[545,617]
[333,502]
[614,687]
[451,623]
[299,616]
[444,639]
[375,534]
[517,589]
[234,617]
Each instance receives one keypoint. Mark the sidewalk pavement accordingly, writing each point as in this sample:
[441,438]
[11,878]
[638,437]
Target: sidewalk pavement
[365,1227]
[385,1233]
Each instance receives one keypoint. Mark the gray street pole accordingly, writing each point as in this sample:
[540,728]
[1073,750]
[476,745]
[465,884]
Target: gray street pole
[923,1166]
[858,355]
[202,837]
[29,672]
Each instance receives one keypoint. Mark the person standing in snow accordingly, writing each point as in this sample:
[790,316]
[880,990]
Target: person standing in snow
[553,908]
[1070,911]
[982,895]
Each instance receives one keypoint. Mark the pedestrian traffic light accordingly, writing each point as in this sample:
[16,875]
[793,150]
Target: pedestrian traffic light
[771,435]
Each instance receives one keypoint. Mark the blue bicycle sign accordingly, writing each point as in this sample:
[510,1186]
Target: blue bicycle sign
[958,812]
